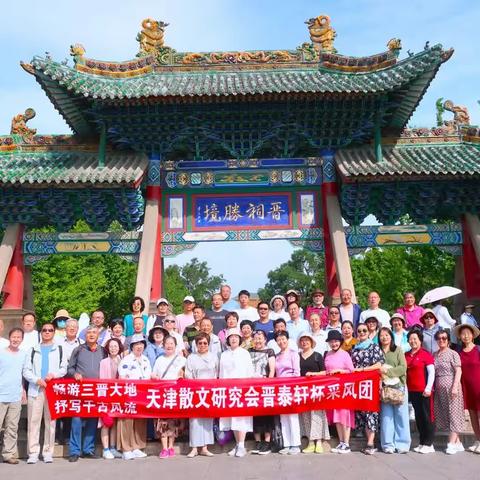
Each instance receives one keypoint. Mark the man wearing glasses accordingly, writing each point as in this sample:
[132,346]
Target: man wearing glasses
[264,323]
[45,361]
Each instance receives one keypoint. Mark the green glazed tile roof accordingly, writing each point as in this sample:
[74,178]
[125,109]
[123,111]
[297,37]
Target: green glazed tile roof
[57,168]
[238,82]
[409,160]
[73,92]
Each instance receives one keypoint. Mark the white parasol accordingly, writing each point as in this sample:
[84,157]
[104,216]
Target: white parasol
[439,294]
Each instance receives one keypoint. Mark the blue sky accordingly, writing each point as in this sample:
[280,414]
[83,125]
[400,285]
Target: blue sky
[108,29]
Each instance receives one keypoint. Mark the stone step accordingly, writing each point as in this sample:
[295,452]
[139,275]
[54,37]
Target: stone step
[182,447]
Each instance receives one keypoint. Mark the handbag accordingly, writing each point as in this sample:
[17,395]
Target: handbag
[392,395]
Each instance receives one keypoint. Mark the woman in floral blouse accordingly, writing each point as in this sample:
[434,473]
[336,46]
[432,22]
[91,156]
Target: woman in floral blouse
[366,356]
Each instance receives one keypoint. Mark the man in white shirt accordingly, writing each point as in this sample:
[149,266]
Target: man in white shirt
[70,341]
[31,336]
[296,325]
[246,312]
[374,310]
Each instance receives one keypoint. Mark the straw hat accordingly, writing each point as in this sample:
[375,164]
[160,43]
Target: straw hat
[307,335]
[473,328]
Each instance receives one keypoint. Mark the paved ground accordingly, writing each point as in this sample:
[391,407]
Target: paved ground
[355,466]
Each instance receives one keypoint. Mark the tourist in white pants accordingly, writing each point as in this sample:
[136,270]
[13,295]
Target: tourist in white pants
[44,362]
[287,364]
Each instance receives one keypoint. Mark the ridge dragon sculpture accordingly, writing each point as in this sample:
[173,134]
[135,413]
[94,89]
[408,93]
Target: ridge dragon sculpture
[151,37]
[322,34]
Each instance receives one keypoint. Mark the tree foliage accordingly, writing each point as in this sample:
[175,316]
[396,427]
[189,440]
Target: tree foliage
[82,284]
[192,279]
[395,270]
[304,272]
[390,271]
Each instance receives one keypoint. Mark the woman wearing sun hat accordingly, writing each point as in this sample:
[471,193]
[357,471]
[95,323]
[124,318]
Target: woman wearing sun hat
[313,424]
[339,361]
[132,432]
[155,344]
[470,358]
[292,296]
[397,321]
[278,306]
[236,363]
[168,366]
[430,328]
[201,364]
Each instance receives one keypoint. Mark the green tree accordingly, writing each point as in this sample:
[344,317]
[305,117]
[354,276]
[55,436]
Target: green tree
[393,271]
[304,272]
[175,289]
[83,283]
[192,279]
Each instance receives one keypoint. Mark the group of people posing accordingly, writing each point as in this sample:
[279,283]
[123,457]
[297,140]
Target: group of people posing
[425,360]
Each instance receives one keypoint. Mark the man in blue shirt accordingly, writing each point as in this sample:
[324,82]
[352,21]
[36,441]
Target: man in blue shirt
[264,323]
[12,363]
[44,362]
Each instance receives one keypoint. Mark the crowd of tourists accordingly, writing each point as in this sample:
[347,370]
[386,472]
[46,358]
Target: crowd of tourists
[426,359]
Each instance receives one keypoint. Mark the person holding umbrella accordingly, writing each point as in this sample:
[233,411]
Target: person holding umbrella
[441,312]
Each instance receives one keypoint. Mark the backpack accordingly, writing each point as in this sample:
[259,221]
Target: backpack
[277,437]
[60,350]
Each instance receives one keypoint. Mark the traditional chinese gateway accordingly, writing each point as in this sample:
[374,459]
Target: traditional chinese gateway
[227,146]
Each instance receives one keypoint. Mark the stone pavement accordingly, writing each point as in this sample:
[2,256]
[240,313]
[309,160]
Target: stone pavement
[354,466]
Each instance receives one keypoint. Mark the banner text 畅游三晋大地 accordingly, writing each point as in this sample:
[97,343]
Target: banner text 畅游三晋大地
[215,398]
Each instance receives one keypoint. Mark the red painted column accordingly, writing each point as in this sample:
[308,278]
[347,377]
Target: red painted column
[14,282]
[331,281]
[156,291]
[470,265]
[329,187]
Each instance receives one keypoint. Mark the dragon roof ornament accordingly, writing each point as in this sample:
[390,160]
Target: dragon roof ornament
[154,55]
[322,34]
[19,125]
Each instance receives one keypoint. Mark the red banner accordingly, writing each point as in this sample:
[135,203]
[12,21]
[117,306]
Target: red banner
[212,398]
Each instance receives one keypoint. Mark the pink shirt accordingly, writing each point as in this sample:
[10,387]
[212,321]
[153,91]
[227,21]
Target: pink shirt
[287,364]
[184,321]
[412,317]
[339,360]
